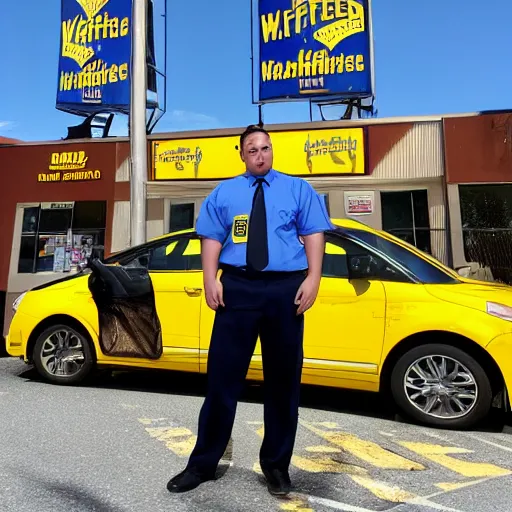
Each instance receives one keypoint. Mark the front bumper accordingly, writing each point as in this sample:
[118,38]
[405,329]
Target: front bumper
[500,348]
[19,331]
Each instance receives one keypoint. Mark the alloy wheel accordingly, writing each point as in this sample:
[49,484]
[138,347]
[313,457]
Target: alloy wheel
[441,387]
[62,353]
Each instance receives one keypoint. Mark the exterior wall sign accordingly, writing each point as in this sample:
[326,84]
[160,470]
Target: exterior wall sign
[58,206]
[299,153]
[69,166]
[359,203]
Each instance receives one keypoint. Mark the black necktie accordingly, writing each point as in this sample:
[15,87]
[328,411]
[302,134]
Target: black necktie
[257,243]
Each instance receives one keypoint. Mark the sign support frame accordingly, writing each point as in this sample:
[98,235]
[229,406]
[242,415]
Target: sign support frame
[138,135]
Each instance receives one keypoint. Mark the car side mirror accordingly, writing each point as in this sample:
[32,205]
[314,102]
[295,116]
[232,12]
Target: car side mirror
[464,271]
[144,259]
[141,261]
[363,266]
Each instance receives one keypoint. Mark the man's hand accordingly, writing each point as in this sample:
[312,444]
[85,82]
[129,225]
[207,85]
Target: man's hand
[210,250]
[306,294]
[214,294]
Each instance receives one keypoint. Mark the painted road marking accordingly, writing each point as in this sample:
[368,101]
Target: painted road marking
[319,462]
[440,455]
[344,507]
[455,486]
[337,505]
[328,459]
[496,445]
[129,406]
[322,449]
[296,504]
[368,451]
[384,491]
[316,464]
[323,464]
[179,440]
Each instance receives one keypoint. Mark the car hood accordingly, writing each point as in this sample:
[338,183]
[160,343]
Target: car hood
[78,281]
[473,294]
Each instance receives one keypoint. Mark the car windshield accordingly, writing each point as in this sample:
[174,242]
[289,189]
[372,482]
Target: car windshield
[425,271]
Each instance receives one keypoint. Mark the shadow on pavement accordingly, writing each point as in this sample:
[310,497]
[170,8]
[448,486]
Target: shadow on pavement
[67,494]
[360,403]
[3,351]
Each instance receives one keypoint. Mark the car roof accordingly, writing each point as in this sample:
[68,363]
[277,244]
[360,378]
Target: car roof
[342,223]
[338,223]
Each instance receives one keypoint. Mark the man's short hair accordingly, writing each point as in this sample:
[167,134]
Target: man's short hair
[252,128]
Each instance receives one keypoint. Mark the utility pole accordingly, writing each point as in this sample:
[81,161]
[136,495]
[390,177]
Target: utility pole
[138,139]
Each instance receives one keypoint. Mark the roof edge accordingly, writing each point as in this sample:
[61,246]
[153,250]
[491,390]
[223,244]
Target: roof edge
[306,125]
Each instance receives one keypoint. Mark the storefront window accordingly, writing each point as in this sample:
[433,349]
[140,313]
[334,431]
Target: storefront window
[58,237]
[405,215]
[486,214]
[182,216]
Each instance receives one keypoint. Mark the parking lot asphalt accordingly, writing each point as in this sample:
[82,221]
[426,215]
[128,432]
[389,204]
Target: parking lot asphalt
[112,444]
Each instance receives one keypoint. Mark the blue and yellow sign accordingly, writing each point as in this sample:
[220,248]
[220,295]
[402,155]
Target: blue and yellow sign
[314,48]
[94,60]
[302,153]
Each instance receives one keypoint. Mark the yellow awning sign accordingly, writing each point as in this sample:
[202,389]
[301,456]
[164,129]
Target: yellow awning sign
[300,153]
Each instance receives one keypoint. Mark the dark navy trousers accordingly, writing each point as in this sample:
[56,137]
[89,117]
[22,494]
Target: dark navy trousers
[255,304]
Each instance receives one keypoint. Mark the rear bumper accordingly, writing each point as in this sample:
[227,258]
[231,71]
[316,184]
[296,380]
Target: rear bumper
[500,348]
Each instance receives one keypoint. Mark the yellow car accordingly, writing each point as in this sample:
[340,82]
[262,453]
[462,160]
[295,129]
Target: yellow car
[387,317]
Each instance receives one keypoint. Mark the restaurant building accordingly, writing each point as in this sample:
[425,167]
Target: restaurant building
[408,176]
[58,204]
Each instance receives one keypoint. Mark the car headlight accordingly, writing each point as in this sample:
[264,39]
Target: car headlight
[17,302]
[499,310]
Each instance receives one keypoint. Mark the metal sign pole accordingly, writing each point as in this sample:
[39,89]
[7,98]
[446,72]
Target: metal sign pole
[138,138]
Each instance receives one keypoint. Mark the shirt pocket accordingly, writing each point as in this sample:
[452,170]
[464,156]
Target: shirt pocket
[288,219]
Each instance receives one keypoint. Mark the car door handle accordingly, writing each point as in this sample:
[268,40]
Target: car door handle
[193,292]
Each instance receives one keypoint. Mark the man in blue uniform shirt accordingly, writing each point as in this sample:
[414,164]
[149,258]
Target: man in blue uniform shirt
[265,231]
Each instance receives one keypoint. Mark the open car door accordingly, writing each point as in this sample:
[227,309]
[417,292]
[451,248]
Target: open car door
[128,321]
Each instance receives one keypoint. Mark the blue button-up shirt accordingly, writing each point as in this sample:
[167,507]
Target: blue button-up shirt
[293,209]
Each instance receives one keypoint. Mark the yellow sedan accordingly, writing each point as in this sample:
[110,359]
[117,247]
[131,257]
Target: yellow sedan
[387,317]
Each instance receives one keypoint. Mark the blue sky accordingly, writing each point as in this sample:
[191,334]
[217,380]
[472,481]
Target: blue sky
[431,57]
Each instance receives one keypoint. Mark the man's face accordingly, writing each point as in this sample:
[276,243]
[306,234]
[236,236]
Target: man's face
[257,153]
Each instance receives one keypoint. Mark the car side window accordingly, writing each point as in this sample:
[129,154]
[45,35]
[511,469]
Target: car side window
[335,260]
[178,255]
[338,250]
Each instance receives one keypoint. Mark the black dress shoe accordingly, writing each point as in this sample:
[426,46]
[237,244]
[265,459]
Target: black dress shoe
[187,480]
[278,482]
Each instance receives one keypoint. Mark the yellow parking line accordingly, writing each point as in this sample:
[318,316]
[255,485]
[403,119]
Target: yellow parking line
[323,464]
[454,486]
[317,463]
[179,440]
[440,455]
[384,491]
[323,460]
[297,505]
[368,451]
[322,449]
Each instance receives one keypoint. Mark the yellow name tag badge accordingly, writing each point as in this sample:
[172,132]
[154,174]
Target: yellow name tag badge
[240,227]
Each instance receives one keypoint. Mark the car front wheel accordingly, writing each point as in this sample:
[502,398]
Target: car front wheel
[441,386]
[63,355]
